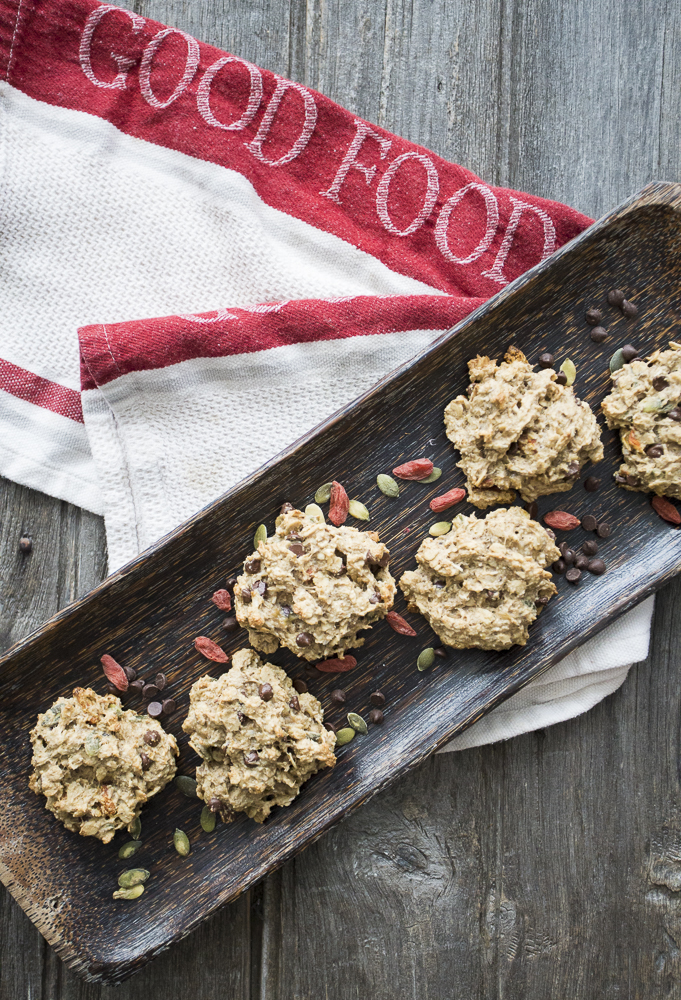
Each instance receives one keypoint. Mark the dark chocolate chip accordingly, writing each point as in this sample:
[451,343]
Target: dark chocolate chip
[330,726]
[285,508]
[251,758]
[230,624]
[241,717]
[633,481]
[338,697]
[304,639]
[545,360]
[293,536]
[629,309]
[441,652]
[149,691]
[582,562]
[591,484]
[599,334]
[376,716]
[603,530]
[573,575]
[311,668]
[620,478]
[541,602]
[551,534]
[512,448]
[533,510]
[25,545]
[286,610]
[629,352]
[260,587]
[377,698]
[654,450]
[138,686]
[246,595]
[569,556]
[593,316]
[145,760]
[169,706]
[294,703]
[573,470]
[214,804]
[596,566]
[266,691]
[615,297]
[130,673]
[660,383]
[252,565]
[590,548]
[297,549]
[152,737]
[231,583]
[375,598]
[300,686]
[674,414]
[558,566]
[561,378]
[589,522]
[155,709]
[439,584]
[112,689]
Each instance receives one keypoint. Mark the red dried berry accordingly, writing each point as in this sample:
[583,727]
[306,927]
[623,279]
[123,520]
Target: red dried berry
[417,469]
[560,520]
[222,599]
[210,649]
[666,510]
[447,500]
[337,665]
[398,623]
[339,504]
[114,673]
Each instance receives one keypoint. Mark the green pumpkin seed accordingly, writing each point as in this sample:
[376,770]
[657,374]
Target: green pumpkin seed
[181,842]
[259,536]
[358,510]
[435,474]
[617,360]
[314,513]
[186,785]
[135,828]
[323,494]
[653,405]
[133,893]
[441,528]
[460,519]
[426,659]
[344,736]
[129,848]
[570,371]
[92,745]
[387,485]
[208,819]
[134,876]
[357,723]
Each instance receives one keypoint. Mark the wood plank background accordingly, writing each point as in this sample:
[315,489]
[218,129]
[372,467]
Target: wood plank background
[543,867]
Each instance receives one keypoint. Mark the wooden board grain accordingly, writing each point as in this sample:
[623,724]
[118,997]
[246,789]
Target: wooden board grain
[148,613]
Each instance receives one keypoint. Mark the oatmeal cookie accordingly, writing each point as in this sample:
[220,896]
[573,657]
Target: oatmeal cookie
[93,764]
[484,582]
[312,587]
[520,430]
[259,740]
[645,407]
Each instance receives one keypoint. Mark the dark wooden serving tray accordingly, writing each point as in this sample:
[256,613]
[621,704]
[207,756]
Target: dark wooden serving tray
[149,612]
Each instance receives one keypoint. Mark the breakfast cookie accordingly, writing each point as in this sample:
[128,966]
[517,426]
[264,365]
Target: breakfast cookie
[519,429]
[645,407]
[312,587]
[97,764]
[484,582]
[259,739]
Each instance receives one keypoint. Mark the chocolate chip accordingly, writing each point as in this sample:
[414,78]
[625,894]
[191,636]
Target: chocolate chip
[251,758]
[285,508]
[377,698]
[573,575]
[439,584]
[375,598]
[231,583]
[573,470]
[112,689]
[285,610]
[338,697]
[152,737]
[633,481]
[266,691]
[252,565]
[246,595]
[155,709]
[629,352]
[654,450]
[629,309]
[376,716]
[230,624]
[590,548]
[551,534]
[297,549]
[130,673]
[615,297]
[138,686]
[311,668]
[149,691]
[512,448]
[533,510]
[599,334]
[558,566]
[593,316]
[441,652]
[545,360]
[596,566]
[293,536]
[541,601]
[214,804]
[674,414]
[660,383]
[589,522]
[603,530]
[294,703]
[620,478]
[304,639]
[260,587]
[569,556]
[242,718]
[582,562]
[561,378]
[145,760]
[169,706]
[25,545]
[330,726]
[591,484]
[300,686]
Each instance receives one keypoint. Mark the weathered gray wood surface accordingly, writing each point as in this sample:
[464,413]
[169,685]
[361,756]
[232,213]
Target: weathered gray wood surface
[547,866]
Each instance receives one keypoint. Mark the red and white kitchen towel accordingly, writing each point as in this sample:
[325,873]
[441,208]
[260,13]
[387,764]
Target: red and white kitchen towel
[297,253]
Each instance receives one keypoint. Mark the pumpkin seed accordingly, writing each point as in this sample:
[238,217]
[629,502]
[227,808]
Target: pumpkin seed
[133,893]
[426,659]
[617,360]
[357,723]
[181,842]
[358,510]
[135,828]
[314,513]
[129,848]
[387,485]
[344,736]
[652,405]
[323,494]
[92,745]
[208,820]
[460,519]
[435,474]
[260,535]
[186,785]
[134,876]
[441,528]
[570,371]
